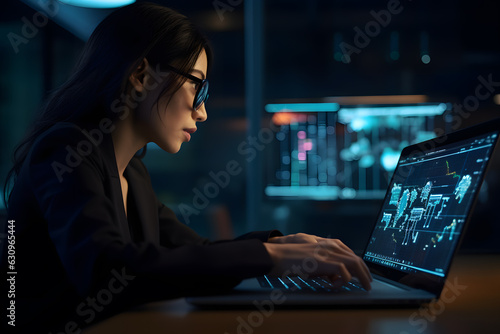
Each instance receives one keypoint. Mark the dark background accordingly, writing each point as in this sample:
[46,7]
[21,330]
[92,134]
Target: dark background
[301,60]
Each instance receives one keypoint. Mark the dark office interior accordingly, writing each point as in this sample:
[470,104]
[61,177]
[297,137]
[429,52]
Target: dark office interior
[361,79]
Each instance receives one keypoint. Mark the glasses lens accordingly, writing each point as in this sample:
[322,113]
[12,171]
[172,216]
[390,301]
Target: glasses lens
[202,95]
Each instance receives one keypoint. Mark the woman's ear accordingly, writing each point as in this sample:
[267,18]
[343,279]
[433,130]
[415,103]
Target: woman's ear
[139,76]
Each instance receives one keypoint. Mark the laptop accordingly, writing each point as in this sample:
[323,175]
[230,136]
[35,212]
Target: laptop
[422,219]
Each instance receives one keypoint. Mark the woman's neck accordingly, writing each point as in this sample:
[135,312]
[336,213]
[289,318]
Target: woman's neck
[126,142]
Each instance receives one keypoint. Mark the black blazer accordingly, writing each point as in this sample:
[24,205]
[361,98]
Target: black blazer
[76,260]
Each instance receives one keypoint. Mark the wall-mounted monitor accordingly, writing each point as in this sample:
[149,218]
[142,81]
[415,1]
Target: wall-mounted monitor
[330,151]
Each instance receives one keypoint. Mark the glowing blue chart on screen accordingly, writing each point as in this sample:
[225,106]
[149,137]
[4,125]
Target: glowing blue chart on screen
[402,204]
[462,187]
[415,217]
[426,206]
[426,191]
[395,192]
[414,194]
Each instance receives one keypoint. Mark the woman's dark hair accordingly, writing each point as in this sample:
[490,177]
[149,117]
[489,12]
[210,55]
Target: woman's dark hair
[114,50]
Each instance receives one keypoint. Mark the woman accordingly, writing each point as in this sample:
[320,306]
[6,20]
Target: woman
[91,237]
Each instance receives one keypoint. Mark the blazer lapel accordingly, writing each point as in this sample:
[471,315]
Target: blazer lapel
[145,203]
[116,190]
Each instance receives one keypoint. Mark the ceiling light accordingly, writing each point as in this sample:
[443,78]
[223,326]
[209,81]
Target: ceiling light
[97,3]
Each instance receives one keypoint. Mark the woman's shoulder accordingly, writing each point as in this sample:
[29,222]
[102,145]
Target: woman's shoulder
[71,150]
[70,135]
[64,131]
[70,143]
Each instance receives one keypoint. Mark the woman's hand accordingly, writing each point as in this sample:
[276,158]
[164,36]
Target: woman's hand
[299,238]
[307,255]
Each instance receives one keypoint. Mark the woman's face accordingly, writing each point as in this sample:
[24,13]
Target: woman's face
[171,123]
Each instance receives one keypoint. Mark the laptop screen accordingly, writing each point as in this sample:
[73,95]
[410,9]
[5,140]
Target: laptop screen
[427,204]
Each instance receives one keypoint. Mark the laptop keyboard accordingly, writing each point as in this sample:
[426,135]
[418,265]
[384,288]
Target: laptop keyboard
[311,284]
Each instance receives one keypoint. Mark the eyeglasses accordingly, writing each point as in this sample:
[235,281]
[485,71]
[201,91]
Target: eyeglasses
[201,95]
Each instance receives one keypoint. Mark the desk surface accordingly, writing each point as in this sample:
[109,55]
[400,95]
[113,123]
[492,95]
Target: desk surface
[475,309]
